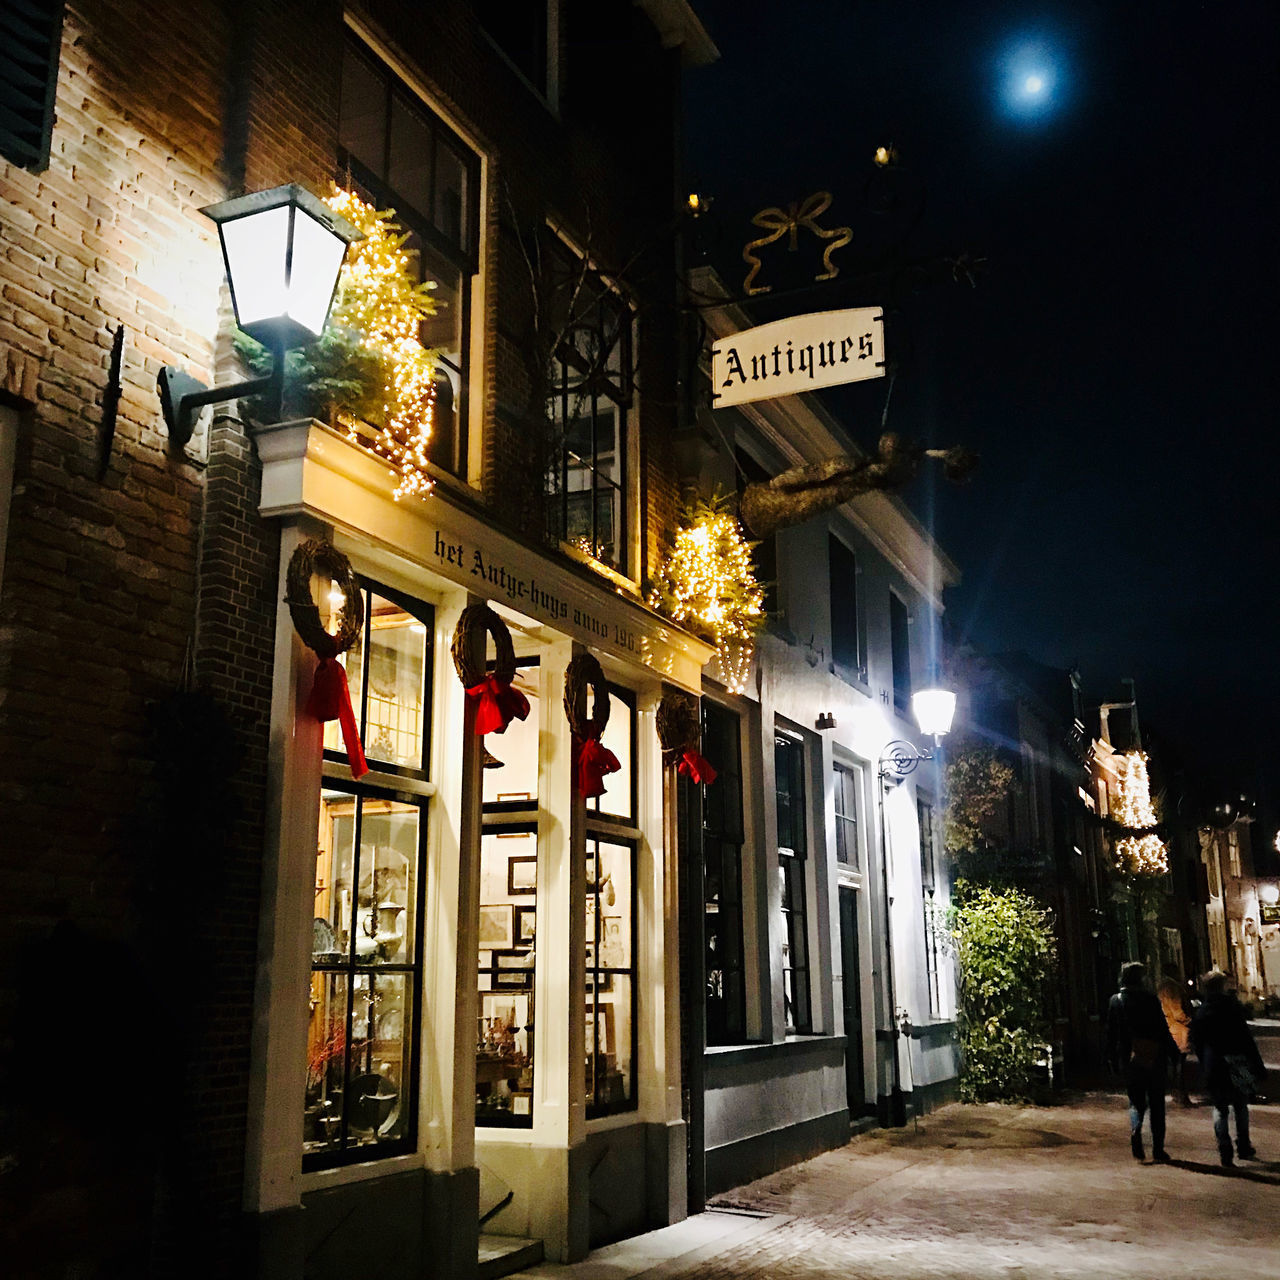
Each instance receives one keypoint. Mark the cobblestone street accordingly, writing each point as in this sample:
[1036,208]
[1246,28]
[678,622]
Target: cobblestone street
[980,1191]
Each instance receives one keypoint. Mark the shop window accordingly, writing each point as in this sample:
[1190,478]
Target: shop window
[362,1040]
[900,653]
[511,758]
[30,43]
[619,799]
[507,971]
[610,977]
[792,853]
[931,907]
[398,154]
[722,839]
[589,409]
[848,784]
[848,644]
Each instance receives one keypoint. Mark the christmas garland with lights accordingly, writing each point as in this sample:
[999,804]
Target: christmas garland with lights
[368,371]
[707,581]
[1139,851]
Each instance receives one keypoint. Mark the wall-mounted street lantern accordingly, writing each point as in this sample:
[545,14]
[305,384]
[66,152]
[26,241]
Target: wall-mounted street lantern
[934,710]
[283,250]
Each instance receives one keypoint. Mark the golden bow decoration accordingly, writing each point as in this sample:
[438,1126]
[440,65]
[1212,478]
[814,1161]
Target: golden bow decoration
[780,222]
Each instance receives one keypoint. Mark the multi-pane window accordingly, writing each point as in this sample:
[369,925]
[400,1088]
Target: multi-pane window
[847,649]
[899,653]
[1233,852]
[399,155]
[929,886]
[30,42]
[521,29]
[792,851]
[507,962]
[848,784]
[588,406]
[362,1041]
[722,838]
[609,933]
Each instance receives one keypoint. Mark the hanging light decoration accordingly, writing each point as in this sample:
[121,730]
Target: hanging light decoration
[1142,852]
[708,582]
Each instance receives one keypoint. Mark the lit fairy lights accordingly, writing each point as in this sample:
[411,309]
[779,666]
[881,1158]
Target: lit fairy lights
[1143,853]
[708,581]
[380,298]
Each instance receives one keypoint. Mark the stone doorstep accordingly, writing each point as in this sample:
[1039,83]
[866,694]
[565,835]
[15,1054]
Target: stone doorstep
[504,1255]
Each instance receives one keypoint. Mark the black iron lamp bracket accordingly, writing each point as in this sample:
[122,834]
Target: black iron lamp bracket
[182,396]
[900,759]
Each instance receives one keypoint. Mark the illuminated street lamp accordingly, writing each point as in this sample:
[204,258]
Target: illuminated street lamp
[283,251]
[934,710]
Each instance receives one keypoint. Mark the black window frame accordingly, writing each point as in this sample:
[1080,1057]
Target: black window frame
[848,640]
[848,821]
[790,758]
[572,368]
[462,254]
[344,1153]
[723,836]
[926,819]
[530,58]
[30,53]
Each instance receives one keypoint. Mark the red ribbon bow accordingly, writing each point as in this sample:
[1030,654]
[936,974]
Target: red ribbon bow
[499,705]
[331,700]
[591,761]
[697,767]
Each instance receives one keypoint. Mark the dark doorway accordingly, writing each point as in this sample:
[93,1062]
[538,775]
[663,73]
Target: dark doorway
[855,1082]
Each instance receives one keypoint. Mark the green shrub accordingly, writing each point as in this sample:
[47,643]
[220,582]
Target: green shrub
[1006,955]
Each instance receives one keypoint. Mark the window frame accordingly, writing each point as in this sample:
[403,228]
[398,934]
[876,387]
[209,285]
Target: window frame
[464,257]
[399,784]
[547,92]
[844,821]
[793,901]
[927,819]
[22,151]
[900,651]
[858,668]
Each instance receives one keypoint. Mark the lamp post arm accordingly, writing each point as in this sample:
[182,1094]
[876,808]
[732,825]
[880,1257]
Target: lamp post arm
[182,396]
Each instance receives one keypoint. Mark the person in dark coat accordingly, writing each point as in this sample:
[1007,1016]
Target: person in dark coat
[1230,1063]
[1140,1048]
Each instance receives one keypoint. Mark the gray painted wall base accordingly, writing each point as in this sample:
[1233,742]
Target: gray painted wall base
[751,1158]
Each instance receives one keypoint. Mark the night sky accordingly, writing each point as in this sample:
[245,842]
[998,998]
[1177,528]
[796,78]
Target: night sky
[1115,364]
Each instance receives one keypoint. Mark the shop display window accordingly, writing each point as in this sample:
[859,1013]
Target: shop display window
[610,977]
[789,759]
[511,757]
[361,1046]
[362,1039]
[506,969]
[619,799]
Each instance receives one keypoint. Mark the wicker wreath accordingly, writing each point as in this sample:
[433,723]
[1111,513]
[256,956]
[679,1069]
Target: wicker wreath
[312,557]
[477,619]
[584,672]
[678,727]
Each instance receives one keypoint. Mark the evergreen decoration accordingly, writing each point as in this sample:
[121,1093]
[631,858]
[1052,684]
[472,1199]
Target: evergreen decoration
[707,581]
[1139,851]
[1006,956]
[978,785]
[368,371]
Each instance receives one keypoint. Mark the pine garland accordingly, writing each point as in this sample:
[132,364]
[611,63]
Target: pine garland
[707,581]
[1140,852]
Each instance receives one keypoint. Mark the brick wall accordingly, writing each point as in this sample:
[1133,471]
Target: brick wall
[138,609]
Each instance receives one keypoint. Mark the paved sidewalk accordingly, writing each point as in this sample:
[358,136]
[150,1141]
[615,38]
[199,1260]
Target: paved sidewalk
[979,1192]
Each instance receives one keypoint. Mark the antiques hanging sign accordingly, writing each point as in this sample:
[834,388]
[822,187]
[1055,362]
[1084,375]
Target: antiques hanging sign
[801,353]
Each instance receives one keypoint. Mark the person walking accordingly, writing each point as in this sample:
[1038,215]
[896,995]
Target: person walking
[1230,1063]
[1140,1048]
[1177,1013]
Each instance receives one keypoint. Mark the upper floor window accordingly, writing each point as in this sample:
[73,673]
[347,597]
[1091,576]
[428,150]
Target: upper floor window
[792,851]
[400,155]
[525,31]
[1233,852]
[765,554]
[588,409]
[30,42]
[900,653]
[847,641]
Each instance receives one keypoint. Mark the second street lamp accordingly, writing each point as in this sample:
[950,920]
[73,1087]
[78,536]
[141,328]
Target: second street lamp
[283,250]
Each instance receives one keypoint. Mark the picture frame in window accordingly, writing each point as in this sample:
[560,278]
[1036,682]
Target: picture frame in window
[522,875]
[511,959]
[520,979]
[612,954]
[525,928]
[495,925]
[599,1028]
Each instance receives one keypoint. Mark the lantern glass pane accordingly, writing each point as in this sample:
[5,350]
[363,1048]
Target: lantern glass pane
[934,709]
[256,247]
[317,259]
